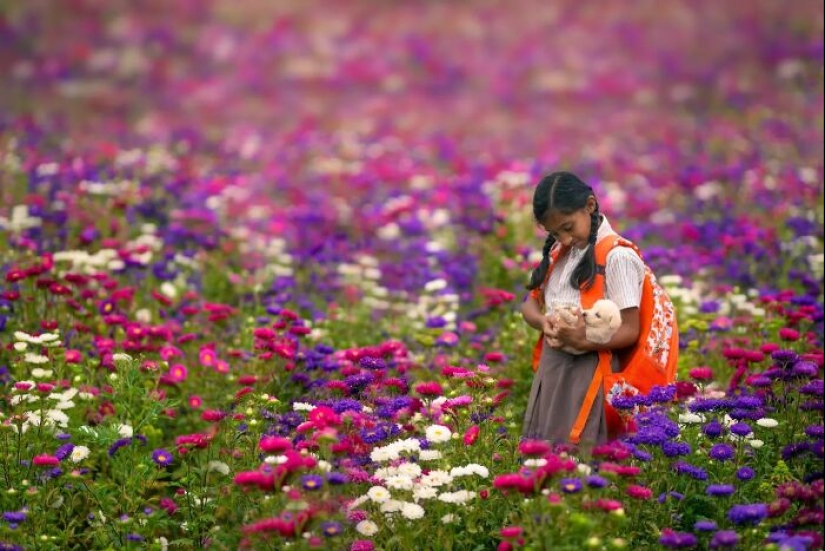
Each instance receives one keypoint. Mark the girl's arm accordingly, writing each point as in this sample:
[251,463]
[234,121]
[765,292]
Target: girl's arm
[533,315]
[626,335]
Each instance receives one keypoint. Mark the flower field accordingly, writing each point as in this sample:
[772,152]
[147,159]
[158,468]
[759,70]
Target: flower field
[261,266]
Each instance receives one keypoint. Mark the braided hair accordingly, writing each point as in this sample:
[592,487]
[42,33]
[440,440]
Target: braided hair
[565,192]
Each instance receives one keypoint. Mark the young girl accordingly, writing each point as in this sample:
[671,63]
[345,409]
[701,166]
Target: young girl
[568,210]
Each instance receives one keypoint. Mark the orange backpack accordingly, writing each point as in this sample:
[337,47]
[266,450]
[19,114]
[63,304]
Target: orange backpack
[648,363]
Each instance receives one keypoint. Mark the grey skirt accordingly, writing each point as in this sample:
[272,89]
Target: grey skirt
[559,386]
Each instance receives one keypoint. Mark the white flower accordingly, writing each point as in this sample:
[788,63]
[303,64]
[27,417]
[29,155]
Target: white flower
[424,492]
[390,506]
[438,434]
[756,443]
[40,373]
[383,454]
[767,422]
[436,478]
[79,453]
[448,518]
[409,469]
[540,462]
[399,482]
[126,431]
[218,466]
[21,346]
[459,497]
[412,511]
[57,417]
[429,455]
[30,358]
[378,494]
[690,418]
[302,406]
[366,528]
[121,357]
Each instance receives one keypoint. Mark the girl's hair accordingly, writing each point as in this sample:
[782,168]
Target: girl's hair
[564,192]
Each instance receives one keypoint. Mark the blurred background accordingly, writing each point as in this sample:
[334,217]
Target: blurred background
[521,78]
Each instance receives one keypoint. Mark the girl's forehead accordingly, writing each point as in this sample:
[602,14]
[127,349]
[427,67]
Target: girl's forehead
[557,218]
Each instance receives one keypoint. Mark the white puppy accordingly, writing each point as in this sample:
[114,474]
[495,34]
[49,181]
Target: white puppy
[600,322]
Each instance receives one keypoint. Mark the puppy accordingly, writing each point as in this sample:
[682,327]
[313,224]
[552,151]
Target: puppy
[600,322]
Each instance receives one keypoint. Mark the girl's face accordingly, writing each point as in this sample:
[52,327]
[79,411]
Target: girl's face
[573,229]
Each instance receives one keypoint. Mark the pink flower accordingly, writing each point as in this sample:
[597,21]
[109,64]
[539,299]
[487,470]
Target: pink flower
[639,492]
[431,388]
[195,401]
[511,531]
[206,356]
[275,444]
[362,545]
[535,448]
[701,374]
[788,334]
[45,461]
[213,415]
[471,435]
[178,373]
[73,356]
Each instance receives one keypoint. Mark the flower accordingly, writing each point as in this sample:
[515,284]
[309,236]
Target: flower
[162,457]
[311,482]
[438,434]
[721,452]
[751,513]
[724,539]
[720,490]
[366,528]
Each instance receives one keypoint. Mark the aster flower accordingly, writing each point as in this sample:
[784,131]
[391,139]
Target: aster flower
[312,482]
[162,458]
[721,452]
[751,513]
[677,540]
[724,539]
[720,490]
[570,485]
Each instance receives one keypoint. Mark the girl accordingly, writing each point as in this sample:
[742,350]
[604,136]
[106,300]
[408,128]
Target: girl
[567,209]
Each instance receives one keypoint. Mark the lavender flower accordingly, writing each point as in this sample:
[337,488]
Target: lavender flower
[162,457]
[724,539]
[720,490]
[721,452]
[751,513]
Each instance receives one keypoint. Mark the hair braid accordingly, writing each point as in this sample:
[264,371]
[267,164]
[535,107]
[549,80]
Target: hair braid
[538,275]
[585,273]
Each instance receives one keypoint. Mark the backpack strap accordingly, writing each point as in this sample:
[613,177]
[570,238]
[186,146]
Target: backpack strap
[538,295]
[588,298]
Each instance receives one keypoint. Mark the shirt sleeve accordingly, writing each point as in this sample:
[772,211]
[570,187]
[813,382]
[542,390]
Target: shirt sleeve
[624,274]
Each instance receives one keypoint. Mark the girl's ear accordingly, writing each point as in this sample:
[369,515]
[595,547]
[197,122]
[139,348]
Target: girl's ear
[591,205]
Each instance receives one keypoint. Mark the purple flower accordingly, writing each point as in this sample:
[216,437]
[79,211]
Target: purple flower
[750,513]
[596,481]
[331,528]
[14,517]
[692,471]
[724,539]
[370,362]
[117,445]
[675,449]
[570,485]
[814,388]
[721,452]
[713,429]
[815,431]
[162,457]
[720,490]
[63,451]
[745,473]
[705,525]
[311,482]
[741,429]
[805,369]
[677,540]
[336,479]
[784,356]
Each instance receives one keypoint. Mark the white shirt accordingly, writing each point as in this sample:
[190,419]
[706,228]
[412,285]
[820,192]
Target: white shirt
[624,275]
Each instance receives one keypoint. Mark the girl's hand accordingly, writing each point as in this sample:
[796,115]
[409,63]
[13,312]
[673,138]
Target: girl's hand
[572,335]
